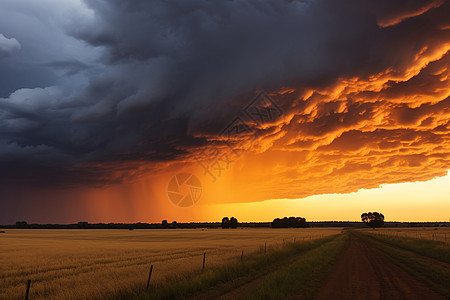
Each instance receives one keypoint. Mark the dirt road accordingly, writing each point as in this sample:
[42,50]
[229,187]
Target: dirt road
[362,272]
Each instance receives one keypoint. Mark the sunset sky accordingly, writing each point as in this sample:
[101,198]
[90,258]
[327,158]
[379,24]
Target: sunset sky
[321,109]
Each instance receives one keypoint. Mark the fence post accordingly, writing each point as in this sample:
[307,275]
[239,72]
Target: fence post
[149,276]
[28,289]
[265,247]
[204,256]
[242,256]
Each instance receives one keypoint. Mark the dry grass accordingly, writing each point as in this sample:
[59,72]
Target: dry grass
[98,264]
[441,234]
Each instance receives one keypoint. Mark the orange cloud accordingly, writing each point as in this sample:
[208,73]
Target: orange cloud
[396,17]
[357,133]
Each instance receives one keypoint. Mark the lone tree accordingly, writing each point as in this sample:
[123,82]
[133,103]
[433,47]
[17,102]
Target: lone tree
[373,219]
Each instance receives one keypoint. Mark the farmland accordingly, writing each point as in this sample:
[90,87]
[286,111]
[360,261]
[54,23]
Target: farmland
[245,263]
[99,264]
[441,234]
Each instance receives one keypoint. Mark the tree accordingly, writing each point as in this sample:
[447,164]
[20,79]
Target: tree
[225,222]
[373,219]
[233,223]
[229,223]
[291,222]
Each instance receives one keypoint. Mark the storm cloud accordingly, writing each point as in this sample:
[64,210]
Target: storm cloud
[101,87]
[8,46]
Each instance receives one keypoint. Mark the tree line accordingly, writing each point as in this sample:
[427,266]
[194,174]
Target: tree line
[291,222]
[372,219]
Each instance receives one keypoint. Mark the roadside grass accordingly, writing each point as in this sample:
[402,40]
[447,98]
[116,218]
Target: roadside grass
[433,249]
[304,277]
[435,275]
[189,285]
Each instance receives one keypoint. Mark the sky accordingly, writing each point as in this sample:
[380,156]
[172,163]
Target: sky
[317,108]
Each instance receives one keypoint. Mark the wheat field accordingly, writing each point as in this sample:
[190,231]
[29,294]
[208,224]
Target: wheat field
[100,264]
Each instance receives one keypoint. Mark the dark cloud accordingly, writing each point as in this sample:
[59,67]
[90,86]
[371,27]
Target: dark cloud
[8,46]
[98,89]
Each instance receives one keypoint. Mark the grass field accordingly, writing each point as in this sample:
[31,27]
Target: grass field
[102,264]
[434,248]
[441,234]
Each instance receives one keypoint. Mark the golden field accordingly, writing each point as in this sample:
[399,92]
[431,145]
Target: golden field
[100,264]
[441,234]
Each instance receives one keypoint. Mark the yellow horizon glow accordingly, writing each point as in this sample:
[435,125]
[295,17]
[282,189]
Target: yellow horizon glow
[427,201]
[410,201]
